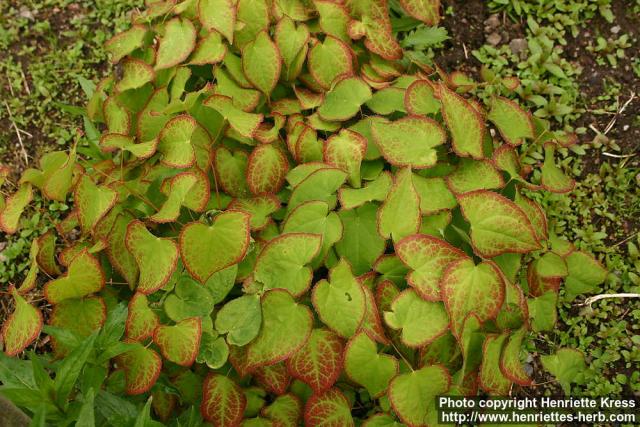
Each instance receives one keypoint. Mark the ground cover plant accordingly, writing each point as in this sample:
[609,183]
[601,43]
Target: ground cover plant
[373,217]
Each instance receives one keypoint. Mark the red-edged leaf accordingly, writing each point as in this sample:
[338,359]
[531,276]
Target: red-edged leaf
[179,343]
[419,98]
[345,150]
[84,277]
[274,378]
[218,15]
[46,257]
[319,362]
[80,316]
[223,402]
[14,206]
[420,321]
[428,11]
[119,256]
[515,124]
[510,363]
[491,378]
[22,327]
[471,175]
[372,324]
[266,169]
[231,170]
[92,202]
[142,368]
[141,320]
[399,215]
[464,122]
[329,60]
[261,62]
[328,409]
[176,44]
[285,411]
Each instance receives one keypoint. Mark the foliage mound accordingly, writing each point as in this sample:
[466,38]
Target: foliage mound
[285,220]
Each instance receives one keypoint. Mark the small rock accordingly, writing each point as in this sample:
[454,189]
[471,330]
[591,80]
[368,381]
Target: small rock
[625,128]
[26,13]
[519,47]
[491,23]
[494,39]
[616,29]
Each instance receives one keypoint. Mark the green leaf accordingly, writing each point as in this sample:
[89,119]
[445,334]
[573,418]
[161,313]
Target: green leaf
[364,365]
[135,74]
[465,123]
[585,274]
[218,15]
[206,250]
[189,299]
[410,141]
[214,350]
[420,321]
[240,319]
[399,215]
[567,365]
[375,190]
[86,416]
[69,371]
[285,411]
[330,60]
[434,194]
[79,317]
[92,202]
[419,98]
[291,39]
[428,11]
[266,169]
[413,395]
[321,185]
[510,363]
[223,402]
[187,189]
[245,99]
[542,311]
[471,175]
[319,362]
[22,327]
[141,320]
[468,288]
[83,277]
[231,170]
[176,44]
[343,101]
[244,123]
[175,142]
[330,408]
[339,301]
[156,257]
[515,125]
[262,63]
[491,378]
[283,262]
[497,224]
[361,244]
[124,43]
[552,178]
[259,208]
[333,19]
[286,326]
[209,50]
[179,343]
[345,150]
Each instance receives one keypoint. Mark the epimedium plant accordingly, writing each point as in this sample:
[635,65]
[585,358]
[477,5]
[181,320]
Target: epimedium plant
[285,220]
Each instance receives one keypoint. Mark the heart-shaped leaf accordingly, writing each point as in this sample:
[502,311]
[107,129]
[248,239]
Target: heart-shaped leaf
[464,122]
[188,299]
[141,320]
[320,184]
[510,363]
[319,362]
[339,301]
[223,402]
[209,249]
[427,257]
[283,262]
[291,39]
[266,169]
[156,257]
[126,42]
[259,208]
[175,142]
[22,327]
[231,171]
[585,274]
[326,409]
[553,179]
[343,101]
[421,321]
[286,326]
[361,244]
[246,124]
[428,11]
[218,15]
[176,44]
[410,141]
[262,63]
[375,190]
[419,98]
[491,378]
[142,368]
[345,150]
[135,74]
[434,194]
[399,215]
[240,319]
[329,60]
[285,411]
[179,343]
[515,125]
[80,316]
[84,277]
[365,366]
[92,202]
[471,175]
[274,378]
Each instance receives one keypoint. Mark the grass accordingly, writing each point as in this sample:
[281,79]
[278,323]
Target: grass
[52,44]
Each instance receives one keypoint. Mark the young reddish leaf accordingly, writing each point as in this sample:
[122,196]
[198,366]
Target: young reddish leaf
[141,320]
[399,215]
[333,18]
[585,274]
[330,60]
[328,409]
[365,366]
[410,141]
[465,123]
[84,277]
[428,11]
[92,202]
[419,98]
[510,363]
[135,74]
[471,175]
[340,301]
[320,185]
[179,343]
[22,327]
[259,208]
[156,257]
[80,316]
[209,50]
[175,142]
[552,178]
[371,324]
[286,326]
[267,169]
[208,249]
[15,204]
[497,224]
[218,15]
[274,378]
[126,42]
[141,367]
[413,395]
[468,288]
[283,262]
[343,101]
[375,190]
[285,411]
[421,321]
[515,125]
[345,150]
[319,362]
[231,170]
[176,44]
[491,378]
[244,123]
[261,62]
[291,39]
